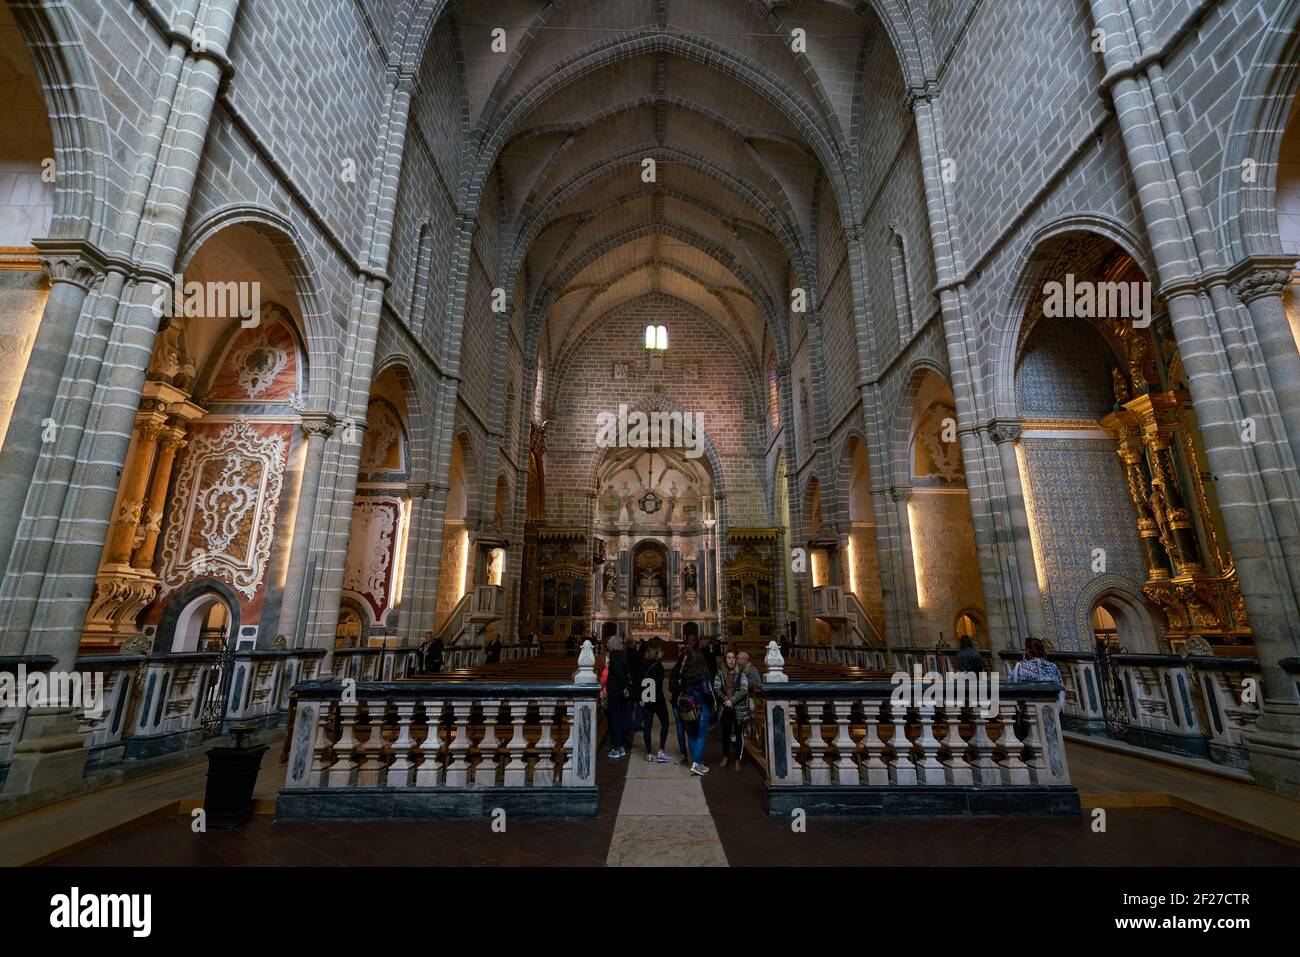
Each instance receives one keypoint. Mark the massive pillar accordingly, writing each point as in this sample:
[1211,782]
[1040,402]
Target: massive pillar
[55,551]
[1252,477]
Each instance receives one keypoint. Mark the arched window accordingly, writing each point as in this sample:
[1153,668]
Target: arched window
[774,399]
[656,337]
[902,286]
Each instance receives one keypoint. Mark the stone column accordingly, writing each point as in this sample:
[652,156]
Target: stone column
[902,496]
[1258,523]
[172,441]
[1261,291]
[317,427]
[1006,433]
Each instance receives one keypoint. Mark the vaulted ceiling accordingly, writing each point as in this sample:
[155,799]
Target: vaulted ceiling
[674,146]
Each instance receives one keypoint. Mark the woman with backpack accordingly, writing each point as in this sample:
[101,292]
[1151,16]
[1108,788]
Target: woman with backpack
[674,694]
[694,706]
[731,688]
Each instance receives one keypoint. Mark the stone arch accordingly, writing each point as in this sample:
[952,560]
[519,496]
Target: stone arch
[418,433]
[75,107]
[318,330]
[901,438]
[184,599]
[1033,259]
[1139,631]
[661,403]
[1247,211]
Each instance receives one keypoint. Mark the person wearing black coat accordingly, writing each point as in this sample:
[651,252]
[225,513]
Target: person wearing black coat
[653,704]
[968,657]
[618,688]
[636,668]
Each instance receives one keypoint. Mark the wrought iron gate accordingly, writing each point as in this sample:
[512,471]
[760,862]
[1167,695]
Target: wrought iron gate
[216,696]
[1114,703]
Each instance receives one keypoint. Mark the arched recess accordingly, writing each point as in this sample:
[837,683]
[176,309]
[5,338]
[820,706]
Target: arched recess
[53,145]
[209,486]
[1126,614]
[944,558]
[204,606]
[1110,456]
[454,569]
[1259,151]
[862,561]
[375,569]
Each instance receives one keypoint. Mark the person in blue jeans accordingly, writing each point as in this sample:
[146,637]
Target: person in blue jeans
[674,693]
[696,683]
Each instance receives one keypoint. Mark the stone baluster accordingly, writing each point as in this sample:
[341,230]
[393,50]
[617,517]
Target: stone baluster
[320,763]
[485,772]
[568,773]
[371,770]
[985,770]
[877,770]
[458,769]
[1034,745]
[819,772]
[846,767]
[929,770]
[399,772]
[430,749]
[516,772]
[544,769]
[340,772]
[1013,768]
[959,772]
[902,771]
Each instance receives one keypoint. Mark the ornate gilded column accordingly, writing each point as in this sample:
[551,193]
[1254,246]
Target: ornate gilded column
[171,442]
[149,427]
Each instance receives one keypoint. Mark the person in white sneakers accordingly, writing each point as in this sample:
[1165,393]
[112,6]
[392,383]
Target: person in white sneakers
[653,703]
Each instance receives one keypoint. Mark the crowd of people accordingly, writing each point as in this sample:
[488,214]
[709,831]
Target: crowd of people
[703,691]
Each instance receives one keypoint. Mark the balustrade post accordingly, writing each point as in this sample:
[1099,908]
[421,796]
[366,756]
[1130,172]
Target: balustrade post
[877,771]
[819,771]
[959,772]
[458,769]
[929,770]
[340,772]
[431,748]
[1014,770]
[485,772]
[516,772]
[901,770]
[544,769]
[399,772]
[368,775]
[846,767]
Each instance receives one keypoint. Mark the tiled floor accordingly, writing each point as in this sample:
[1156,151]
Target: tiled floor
[1133,837]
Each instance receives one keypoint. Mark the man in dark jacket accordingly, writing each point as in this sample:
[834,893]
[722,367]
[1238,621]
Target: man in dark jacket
[493,652]
[969,660]
[710,653]
[618,688]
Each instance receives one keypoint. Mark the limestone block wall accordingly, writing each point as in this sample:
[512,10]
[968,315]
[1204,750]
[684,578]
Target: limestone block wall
[943,539]
[704,372]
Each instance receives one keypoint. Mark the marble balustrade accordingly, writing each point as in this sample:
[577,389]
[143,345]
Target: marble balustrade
[441,748]
[846,747]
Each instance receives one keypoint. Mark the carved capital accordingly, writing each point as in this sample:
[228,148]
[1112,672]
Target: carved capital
[319,424]
[1005,430]
[71,262]
[1265,282]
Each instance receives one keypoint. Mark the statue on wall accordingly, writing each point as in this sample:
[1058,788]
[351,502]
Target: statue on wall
[689,577]
[610,580]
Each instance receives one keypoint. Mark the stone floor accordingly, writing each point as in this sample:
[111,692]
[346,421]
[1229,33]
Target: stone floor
[660,814]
